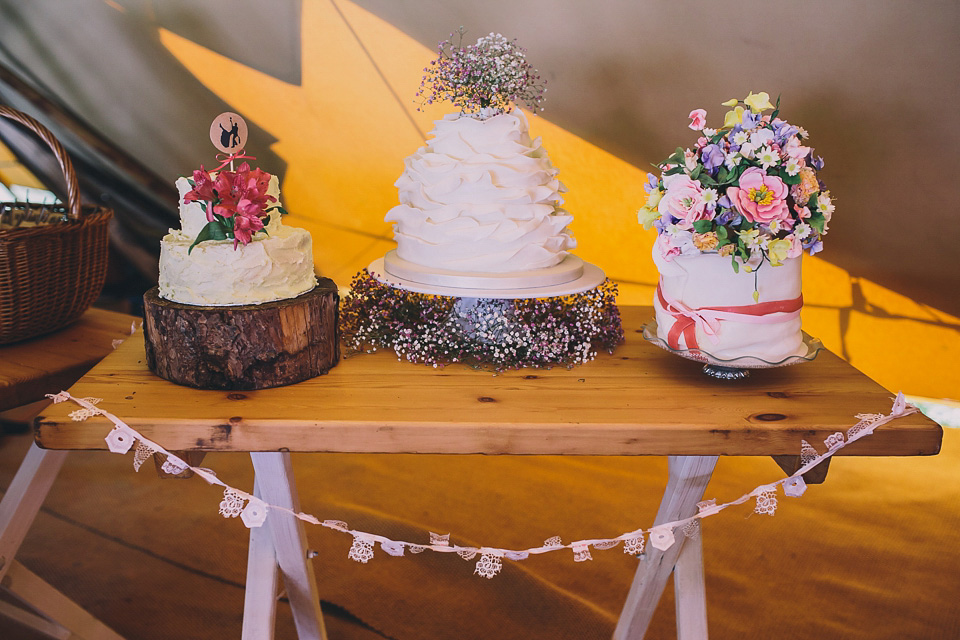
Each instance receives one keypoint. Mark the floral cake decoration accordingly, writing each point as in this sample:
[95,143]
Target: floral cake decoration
[748,190]
[482,79]
[236,203]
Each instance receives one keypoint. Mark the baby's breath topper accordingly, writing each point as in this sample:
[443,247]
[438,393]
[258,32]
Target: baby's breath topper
[484,78]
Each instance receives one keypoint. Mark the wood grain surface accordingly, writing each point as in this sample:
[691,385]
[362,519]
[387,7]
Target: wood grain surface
[49,363]
[640,400]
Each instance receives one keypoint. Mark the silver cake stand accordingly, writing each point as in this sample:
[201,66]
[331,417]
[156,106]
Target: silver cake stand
[734,368]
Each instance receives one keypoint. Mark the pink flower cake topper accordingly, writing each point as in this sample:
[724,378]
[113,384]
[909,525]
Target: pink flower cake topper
[235,202]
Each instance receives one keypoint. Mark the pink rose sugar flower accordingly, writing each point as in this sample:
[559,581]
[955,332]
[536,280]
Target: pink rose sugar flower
[760,198]
[683,199]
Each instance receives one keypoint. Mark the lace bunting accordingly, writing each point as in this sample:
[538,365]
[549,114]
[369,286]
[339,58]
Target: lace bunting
[253,511]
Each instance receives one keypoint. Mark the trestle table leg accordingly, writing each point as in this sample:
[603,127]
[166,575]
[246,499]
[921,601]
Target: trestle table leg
[260,597]
[688,478]
[274,479]
[18,509]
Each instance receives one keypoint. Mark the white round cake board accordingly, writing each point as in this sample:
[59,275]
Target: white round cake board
[591,277]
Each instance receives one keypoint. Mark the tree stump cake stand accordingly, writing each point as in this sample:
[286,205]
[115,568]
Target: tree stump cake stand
[243,347]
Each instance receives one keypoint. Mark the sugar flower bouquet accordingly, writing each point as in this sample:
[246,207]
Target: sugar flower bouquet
[484,78]
[236,203]
[748,190]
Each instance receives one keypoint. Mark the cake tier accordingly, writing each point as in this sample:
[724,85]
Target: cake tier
[269,268]
[482,196]
[699,281]
[568,270]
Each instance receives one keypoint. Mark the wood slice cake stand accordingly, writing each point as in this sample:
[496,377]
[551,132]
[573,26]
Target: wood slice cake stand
[244,347]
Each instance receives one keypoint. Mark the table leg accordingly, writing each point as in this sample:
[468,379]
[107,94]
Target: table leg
[688,478]
[260,597]
[274,478]
[18,509]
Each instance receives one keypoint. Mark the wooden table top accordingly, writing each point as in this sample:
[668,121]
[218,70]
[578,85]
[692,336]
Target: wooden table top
[640,400]
[50,363]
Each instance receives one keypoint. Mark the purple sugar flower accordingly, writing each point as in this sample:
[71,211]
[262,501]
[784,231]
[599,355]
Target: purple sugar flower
[652,183]
[815,161]
[712,157]
[729,216]
[750,120]
[813,244]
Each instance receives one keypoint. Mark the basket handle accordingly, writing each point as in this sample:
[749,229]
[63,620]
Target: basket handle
[73,189]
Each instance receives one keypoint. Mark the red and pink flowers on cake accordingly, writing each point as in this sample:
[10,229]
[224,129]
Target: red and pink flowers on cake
[748,190]
[236,203]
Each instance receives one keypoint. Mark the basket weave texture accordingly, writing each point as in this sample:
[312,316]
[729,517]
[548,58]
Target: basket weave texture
[52,267]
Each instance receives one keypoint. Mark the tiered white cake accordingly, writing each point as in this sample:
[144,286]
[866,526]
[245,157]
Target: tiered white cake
[275,265]
[480,208]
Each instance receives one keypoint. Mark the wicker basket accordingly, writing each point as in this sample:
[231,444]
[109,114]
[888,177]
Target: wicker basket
[53,260]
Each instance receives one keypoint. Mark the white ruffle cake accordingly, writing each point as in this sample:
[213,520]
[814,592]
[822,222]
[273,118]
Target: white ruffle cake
[481,197]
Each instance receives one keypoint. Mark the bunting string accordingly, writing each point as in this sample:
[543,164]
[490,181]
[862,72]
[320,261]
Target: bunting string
[253,511]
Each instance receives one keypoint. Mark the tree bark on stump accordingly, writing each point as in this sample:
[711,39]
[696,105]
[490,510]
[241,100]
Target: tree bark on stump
[245,347]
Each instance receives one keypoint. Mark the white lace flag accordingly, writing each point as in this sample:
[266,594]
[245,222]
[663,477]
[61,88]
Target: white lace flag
[141,454]
[766,500]
[361,550]
[794,487]
[581,553]
[119,440]
[662,537]
[488,566]
[232,504]
[255,513]
[634,546]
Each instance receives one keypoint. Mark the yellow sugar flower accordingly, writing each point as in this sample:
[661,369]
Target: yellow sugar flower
[733,118]
[648,214]
[732,102]
[777,251]
[758,101]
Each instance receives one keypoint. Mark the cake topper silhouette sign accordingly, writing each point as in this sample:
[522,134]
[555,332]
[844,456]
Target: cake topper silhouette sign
[235,202]
[228,132]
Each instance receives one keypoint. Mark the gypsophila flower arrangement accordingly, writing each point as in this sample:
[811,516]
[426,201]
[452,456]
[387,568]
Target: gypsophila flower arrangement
[484,78]
[748,190]
[236,203]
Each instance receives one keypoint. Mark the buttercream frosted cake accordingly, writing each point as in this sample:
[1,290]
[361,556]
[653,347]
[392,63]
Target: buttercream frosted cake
[275,264]
[734,216]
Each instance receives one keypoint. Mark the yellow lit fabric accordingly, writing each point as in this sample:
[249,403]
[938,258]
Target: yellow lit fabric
[346,129]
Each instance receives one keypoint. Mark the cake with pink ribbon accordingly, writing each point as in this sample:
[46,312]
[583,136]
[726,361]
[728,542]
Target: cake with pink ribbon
[734,216]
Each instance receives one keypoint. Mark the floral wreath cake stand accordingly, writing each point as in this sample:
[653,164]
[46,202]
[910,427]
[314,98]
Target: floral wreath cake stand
[500,320]
[734,368]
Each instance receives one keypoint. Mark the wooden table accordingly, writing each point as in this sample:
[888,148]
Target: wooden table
[50,363]
[639,401]
[29,370]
